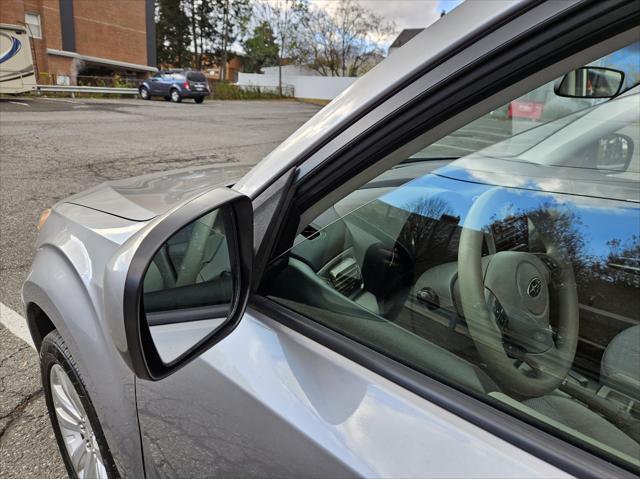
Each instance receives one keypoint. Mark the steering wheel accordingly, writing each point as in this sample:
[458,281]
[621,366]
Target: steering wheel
[506,299]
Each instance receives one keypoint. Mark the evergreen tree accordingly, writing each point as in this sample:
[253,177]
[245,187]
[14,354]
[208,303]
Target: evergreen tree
[172,34]
[261,49]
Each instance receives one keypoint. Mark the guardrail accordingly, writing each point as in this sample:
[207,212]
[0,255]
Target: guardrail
[85,89]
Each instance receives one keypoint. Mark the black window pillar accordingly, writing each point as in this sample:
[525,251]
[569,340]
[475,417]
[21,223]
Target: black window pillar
[151,32]
[67,26]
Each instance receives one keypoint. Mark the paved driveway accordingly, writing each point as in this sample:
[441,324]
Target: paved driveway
[52,148]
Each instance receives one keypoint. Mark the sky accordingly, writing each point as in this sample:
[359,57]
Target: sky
[405,13]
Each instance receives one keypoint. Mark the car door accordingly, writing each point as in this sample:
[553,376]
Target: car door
[155,83]
[165,83]
[286,395]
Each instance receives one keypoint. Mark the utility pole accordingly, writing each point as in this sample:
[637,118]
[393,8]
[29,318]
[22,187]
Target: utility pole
[283,38]
[194,34]
[225,33]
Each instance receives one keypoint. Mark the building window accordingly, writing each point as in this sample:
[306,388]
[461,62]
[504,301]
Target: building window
[32,21]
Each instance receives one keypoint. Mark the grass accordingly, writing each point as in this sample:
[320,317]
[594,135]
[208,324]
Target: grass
[314,101]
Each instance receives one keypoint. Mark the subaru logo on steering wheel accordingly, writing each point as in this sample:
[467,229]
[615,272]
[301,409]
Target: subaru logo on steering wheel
[534,288]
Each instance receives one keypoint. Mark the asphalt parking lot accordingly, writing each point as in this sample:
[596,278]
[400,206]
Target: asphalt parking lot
[52,148]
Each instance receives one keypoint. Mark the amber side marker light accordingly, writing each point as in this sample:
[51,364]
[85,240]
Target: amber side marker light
[43,218]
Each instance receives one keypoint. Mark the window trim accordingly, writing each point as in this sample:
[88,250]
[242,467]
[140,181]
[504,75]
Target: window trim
[28,25]
[532,439]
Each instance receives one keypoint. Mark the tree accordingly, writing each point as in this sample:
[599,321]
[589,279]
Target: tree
[260,49]
[172,33]
[285,18]
[229,20]
[344,41]
[202,29]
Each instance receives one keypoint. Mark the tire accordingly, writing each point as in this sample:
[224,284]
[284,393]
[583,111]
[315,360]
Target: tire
[176,97]
[144,93]
[64,390]
[198,99]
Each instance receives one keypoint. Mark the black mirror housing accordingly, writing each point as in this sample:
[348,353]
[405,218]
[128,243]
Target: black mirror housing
[590,82]
[141,353]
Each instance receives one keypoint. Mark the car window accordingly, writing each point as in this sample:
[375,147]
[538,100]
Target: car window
[196,76]
[503,260]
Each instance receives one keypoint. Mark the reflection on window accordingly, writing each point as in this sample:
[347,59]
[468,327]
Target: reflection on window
[503,261]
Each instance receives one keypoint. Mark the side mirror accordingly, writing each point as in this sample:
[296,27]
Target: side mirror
[590,82]
[181,284]
[614,152]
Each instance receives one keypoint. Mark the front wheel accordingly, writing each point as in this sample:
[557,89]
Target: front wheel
[176,97]
[80,438]
[144,93]
[198,99]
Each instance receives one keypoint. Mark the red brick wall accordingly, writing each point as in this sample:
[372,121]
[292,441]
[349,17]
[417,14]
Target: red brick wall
[114,29]
[51,27]
[12,11]
[58,66]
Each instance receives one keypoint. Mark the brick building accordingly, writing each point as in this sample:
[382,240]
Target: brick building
[72,39]
[211,67]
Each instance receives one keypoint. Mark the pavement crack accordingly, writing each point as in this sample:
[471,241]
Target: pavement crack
[13,354]
[17,411]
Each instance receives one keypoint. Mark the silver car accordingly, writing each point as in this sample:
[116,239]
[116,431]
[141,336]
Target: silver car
[406,287]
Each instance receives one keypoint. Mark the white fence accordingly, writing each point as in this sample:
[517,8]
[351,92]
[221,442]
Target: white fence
[316,87]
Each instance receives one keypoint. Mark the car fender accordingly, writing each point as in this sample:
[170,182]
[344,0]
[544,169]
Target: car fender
[56,286]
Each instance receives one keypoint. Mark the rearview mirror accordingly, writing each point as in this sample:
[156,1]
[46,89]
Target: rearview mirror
[590,82]
[186,280]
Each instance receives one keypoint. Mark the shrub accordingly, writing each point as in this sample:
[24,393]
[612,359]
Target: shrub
[228,91]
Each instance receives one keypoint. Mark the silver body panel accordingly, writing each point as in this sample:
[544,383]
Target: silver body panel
[289,407]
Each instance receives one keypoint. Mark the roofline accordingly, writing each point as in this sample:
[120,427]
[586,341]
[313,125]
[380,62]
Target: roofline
[102,61]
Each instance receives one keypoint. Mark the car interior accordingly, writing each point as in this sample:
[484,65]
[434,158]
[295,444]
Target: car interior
[534,327]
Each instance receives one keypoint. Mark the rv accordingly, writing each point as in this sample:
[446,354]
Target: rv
[17,74]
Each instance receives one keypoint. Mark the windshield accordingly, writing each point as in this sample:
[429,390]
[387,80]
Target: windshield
[577,139]
[541,113]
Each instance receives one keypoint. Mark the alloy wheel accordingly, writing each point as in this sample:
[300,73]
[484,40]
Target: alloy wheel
[75,428]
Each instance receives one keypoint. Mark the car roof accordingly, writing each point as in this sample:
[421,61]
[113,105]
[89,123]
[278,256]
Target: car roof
[463,22]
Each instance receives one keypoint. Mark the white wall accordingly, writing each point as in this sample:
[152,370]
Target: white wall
[291,70]
[316,87]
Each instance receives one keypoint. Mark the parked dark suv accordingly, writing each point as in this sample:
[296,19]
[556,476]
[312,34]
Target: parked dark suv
[175,85]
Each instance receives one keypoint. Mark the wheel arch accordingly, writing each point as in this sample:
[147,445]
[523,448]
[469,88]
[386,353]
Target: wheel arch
[39,323]
[56,297]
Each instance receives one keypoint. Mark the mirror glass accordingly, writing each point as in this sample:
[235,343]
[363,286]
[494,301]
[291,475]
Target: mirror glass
[188,286]
[614,152]
[590,82]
